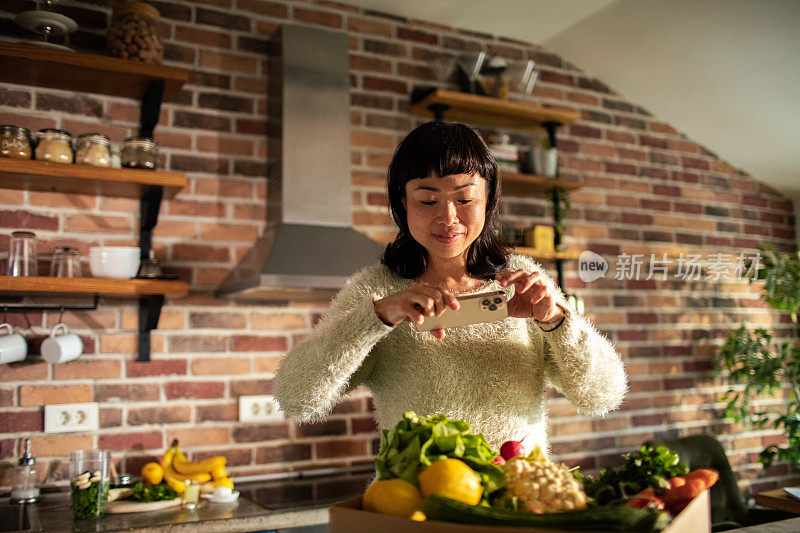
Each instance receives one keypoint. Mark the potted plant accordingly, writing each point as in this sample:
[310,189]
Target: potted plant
[763,364]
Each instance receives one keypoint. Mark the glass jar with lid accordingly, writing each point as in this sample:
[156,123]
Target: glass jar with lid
[15,142]
[139,152]
[54,145]
[93,149]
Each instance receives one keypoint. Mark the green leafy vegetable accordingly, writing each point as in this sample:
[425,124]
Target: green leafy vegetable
[91,501]
[152,493]
[417,441]
[649,467]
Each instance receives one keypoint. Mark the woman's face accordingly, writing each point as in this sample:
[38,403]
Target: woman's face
[447,214]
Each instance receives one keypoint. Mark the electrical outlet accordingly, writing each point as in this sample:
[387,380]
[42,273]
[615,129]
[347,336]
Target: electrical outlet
[71,417]
[259,409]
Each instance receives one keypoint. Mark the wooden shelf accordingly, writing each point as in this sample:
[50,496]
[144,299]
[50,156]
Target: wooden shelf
[132,287]
[489,111]
[549,255]
[86,179]
[517,184]
[28,64]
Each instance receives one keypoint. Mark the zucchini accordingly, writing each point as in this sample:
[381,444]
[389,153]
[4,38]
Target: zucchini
[610,518]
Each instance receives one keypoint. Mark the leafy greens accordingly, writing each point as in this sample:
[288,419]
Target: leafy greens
[649,467]
[152,493]
[417,441]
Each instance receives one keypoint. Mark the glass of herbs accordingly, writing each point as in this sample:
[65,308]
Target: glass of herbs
[89,483]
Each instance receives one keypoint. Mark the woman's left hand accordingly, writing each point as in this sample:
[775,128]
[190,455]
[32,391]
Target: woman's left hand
[532,297]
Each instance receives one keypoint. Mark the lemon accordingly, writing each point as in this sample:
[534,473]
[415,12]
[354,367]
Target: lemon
[223,482]
[368,500]
[219,472]
[453,479]
[153,473]
[394,496]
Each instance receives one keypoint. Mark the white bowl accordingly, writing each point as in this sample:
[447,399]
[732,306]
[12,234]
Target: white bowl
[118,262]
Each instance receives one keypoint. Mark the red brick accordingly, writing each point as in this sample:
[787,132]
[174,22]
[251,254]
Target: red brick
[263,8]
[221,366]
[23,371]
[200,252]
[88,369]
[21,421]
[252,343]
[340,448]
[159,415]
[251,387]
[196,343]
[217,413]
[25,219]
[131,441]
[203,36]
[50,394]
[163,367]
[284,453]
[360,25]
[364,425]
[408,34]
[126,393]
[314,16]
[260,433]
[548,76]
[195,389]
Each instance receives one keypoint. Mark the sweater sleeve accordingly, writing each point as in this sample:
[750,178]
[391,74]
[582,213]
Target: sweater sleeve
[316,373]
[578,360]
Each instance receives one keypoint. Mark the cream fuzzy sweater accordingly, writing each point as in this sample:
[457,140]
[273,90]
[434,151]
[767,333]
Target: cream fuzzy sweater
[492,375]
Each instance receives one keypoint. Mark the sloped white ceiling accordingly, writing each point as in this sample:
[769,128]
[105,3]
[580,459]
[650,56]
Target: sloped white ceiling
[724,72]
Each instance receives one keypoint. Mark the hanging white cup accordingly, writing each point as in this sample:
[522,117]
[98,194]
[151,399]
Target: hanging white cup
[13,346]
[61,348]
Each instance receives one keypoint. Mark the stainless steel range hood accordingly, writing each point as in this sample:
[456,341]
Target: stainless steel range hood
[308,249]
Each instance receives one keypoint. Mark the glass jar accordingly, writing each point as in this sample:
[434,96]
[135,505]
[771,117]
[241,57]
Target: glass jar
[139,152]
[66,262]
[54,145]
[93,149]
[133,33]
[22,259]
[15,142]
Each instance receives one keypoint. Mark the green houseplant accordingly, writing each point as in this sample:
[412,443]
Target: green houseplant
[764,364]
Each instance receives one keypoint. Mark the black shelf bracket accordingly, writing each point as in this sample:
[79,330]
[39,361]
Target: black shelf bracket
[438,110]
[149,313]
[151,108]
[551,128]
[149,206]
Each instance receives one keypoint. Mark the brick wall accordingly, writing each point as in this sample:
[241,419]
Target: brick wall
[648,189]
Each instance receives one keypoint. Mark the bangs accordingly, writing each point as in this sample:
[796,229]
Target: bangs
[446,151]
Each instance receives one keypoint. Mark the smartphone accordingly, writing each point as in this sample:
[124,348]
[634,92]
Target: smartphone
[475,308]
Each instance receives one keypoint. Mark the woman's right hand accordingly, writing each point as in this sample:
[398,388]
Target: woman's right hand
[414,304]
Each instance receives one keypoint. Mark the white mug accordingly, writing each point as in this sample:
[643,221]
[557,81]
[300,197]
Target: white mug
[13,346]
[61,348]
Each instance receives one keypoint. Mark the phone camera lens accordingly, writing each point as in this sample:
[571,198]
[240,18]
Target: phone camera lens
[492,307]
[498,300]
[486,302]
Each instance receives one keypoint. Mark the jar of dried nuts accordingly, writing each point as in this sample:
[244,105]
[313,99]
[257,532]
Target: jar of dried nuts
[15,141]
[93,149]
[54,145]
[133,33]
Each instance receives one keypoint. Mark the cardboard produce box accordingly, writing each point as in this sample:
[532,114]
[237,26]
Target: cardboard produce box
[348,517]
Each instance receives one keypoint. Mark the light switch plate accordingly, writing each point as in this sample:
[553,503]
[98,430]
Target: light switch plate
[71,417]
[259,409]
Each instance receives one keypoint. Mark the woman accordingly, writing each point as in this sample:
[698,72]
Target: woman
[444,196]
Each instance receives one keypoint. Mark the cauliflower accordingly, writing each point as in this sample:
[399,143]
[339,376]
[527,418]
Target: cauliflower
[541,486]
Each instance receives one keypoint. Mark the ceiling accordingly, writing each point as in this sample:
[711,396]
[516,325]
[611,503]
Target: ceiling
[725,73]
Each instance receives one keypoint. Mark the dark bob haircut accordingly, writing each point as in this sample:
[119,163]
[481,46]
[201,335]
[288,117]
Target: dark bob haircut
[442,149]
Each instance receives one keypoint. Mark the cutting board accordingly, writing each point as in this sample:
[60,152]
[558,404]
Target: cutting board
[128,506]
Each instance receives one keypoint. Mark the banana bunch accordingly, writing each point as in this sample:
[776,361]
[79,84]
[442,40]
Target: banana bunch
[178,470]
